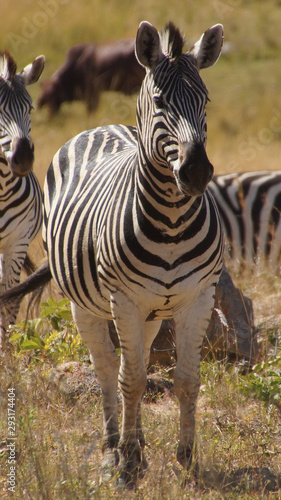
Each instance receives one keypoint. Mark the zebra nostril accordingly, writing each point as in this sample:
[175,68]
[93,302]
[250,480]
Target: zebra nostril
[183,175]
[23,156]
[211,173]
[195,170]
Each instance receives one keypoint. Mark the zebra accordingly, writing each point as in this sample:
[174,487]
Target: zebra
[250,208]
[132,234]
[20,193]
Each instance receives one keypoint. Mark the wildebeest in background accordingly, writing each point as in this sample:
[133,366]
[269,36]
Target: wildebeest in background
[89,69]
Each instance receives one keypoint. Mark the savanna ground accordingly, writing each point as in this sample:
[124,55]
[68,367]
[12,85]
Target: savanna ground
[58,429]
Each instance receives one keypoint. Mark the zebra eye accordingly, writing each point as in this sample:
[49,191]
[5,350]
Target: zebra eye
[159,101]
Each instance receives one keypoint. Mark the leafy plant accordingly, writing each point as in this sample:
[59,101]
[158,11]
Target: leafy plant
[264,381]
[56,312]
[53,335]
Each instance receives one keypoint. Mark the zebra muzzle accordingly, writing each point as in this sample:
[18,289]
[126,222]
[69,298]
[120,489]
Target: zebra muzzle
[22,158]
[195,170]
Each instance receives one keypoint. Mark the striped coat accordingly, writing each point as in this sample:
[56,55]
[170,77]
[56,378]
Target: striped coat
[132,234]
[20,192]
[250,207]
[132,237]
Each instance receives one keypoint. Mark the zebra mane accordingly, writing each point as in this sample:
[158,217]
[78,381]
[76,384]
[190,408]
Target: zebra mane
[172,41]
[8,66]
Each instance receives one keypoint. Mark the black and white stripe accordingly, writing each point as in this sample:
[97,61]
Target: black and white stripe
[20,192]
[250,207]
[133,235]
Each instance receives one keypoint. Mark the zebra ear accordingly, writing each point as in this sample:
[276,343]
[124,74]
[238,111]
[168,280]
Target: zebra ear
[31,73]
[207,50]
[148,46]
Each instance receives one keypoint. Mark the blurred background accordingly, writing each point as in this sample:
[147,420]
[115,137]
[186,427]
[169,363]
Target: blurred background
[244,115]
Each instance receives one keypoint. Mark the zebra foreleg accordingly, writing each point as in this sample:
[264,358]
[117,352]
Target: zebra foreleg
[2,315]
[151,329]
[94,332]
[129,324]
[7,319]
[3,332]
[7,316]
[190,326]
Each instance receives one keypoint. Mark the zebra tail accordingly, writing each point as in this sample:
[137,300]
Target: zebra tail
[35,281]
[29,266]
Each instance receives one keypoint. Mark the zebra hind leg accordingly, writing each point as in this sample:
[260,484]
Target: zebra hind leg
[94,332]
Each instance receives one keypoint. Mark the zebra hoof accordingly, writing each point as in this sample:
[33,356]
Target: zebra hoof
[143,466]
[132,466]
[184,456]
[121,483]
[126,481]
[188,461]
[109,465]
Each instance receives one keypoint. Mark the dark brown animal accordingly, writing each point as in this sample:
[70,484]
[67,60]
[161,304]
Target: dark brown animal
[90,69]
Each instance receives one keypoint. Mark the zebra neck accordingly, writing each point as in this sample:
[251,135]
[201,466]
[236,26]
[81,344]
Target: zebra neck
[158,179]
[8,180]
[160,198]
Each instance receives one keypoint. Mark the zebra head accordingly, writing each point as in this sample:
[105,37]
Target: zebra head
[15,107]
[171,107]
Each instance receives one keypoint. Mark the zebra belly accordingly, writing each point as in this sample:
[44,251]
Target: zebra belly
[158,294]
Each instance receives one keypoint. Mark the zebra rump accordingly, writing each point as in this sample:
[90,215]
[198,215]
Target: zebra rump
[250,208]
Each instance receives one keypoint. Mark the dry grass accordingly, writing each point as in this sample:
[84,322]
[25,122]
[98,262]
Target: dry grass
[58,446]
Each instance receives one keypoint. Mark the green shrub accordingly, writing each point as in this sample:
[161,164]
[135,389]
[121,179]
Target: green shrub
[53,335]
[264,381]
